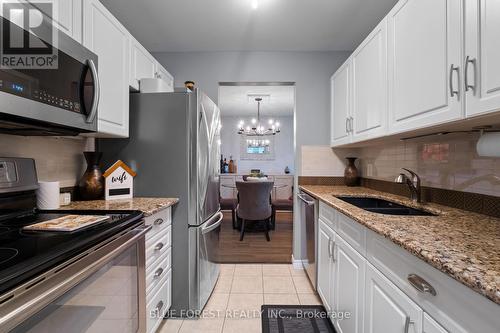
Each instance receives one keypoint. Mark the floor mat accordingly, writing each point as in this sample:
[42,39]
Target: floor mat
[295,319]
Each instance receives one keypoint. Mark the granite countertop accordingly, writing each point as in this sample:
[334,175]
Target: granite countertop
[462,244]
[148,206]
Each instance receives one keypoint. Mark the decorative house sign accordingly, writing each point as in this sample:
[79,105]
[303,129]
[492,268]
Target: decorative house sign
[119,180]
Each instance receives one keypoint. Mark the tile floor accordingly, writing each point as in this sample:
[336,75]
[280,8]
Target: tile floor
[241,290]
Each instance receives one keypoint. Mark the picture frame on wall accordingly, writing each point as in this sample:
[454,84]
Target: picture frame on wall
[257,148]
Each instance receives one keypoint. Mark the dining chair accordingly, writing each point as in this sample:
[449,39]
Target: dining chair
[254,204]
[281,205]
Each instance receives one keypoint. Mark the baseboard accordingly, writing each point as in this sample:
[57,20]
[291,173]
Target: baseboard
[298,263]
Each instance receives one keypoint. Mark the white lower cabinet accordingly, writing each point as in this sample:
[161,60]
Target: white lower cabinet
[158,268]
[431,326]
[388,309]
[348,286]
[370,277]
[326,267]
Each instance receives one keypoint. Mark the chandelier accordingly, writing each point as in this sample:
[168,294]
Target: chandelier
[256,128]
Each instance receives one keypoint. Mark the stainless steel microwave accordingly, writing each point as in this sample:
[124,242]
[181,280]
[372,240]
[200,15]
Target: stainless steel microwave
[44,101]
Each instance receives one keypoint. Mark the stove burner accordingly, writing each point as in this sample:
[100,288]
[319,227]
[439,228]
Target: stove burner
[7,253]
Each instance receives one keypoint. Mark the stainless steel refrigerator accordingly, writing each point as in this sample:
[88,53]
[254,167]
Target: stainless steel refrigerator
[174,146]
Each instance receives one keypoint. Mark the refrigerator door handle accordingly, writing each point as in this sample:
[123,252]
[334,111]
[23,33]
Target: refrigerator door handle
[210,226]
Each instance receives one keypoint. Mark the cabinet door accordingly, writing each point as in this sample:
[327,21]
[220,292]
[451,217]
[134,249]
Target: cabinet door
[431,326]
[227,184]
[388,309]
[68,17]
[369,86]
[340,105]
[142,63]
[163,74]
[105,36]
[424,54]
[325,265]
[482,51]
[284,189]
[349,286]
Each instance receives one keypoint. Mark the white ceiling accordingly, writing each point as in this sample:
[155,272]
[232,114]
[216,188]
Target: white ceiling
[232,25]
[235,101]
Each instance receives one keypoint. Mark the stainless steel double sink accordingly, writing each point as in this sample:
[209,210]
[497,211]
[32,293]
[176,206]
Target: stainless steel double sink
[381,206]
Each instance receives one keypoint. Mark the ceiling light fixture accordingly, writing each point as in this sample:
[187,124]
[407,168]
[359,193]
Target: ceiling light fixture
[257,129]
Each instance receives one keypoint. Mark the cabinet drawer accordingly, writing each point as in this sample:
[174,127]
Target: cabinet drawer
[455,306]
[159,221]
[157,270]
[157,246]
[159,303]
[352,232]
[328,215]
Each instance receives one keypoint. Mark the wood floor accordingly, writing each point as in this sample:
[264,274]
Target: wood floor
[254,248]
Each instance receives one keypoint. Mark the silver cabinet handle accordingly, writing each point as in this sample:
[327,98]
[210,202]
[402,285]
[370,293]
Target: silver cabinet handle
[351,124]
[158,273]
[408,322]
[330,248]
[158,222]
[97,92]
[421,285]
[468,86]
[159,306]
[347,125]
[333,251]
[453,92]
[158,246]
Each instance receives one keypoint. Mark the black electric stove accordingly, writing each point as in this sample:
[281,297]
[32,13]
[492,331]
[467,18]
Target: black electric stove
[25,254]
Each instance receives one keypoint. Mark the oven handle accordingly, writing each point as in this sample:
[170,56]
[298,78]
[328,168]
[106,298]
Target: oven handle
[211,226]
[28,305]
[97,92]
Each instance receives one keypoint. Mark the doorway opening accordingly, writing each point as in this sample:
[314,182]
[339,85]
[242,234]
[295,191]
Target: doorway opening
[257,145]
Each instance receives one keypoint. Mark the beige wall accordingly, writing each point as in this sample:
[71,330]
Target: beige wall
[56,158]
[449,162]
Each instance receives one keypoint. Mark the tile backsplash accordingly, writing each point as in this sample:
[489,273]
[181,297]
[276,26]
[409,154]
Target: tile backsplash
[448,162]
[56,158]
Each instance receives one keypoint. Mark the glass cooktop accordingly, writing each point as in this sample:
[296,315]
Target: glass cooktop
[24,254]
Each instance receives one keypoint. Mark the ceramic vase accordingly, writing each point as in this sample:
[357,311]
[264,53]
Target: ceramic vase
[351,174]
[91,185]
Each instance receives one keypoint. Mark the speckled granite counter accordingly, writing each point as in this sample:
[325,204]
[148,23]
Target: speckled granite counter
[148,206]
[462,244]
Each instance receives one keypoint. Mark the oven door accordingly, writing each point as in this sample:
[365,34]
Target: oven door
[64,97]
[104,291]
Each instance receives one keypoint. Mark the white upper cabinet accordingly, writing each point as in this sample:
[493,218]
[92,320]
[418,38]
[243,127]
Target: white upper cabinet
[349,286]
[340,105]
[424,54]
[142,63]
[105,36]
[163,74]
[369,86]
[67,18]
[388,309]
[482,56]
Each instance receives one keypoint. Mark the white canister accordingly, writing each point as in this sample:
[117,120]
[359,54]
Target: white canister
[47,195]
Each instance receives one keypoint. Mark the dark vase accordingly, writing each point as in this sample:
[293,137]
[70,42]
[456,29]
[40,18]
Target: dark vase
[91,184]
[351,175]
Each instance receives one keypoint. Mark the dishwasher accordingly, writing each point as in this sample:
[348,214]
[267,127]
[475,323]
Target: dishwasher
[309,217]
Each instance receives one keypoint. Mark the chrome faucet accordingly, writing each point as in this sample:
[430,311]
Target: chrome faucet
[413,184]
